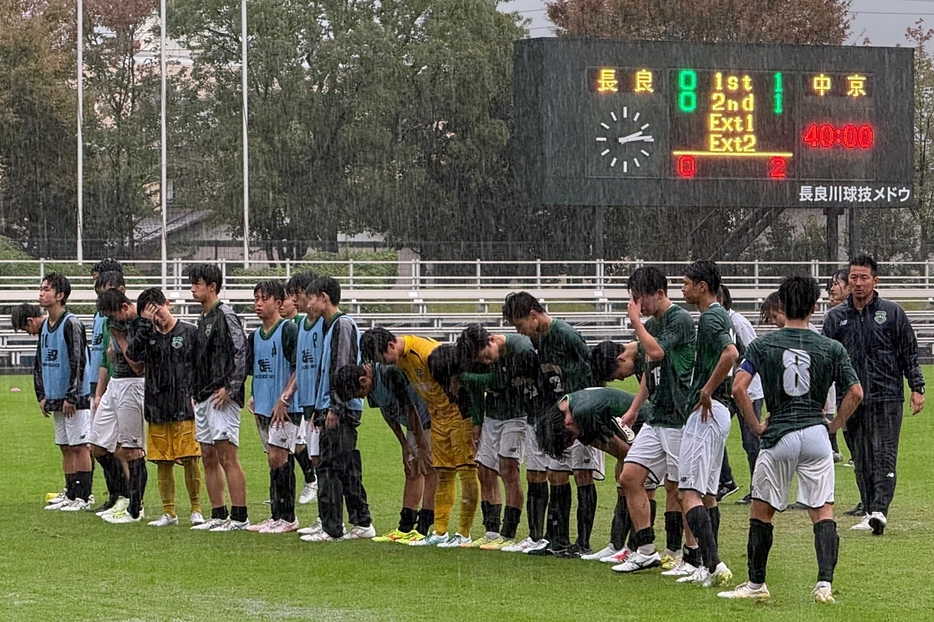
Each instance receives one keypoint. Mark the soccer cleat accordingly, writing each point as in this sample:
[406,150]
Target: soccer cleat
[392,536]
[57,505]
[550,549]
[165,520]
[681,569]
[823,594]
[863,525]
[409,538]
[123,518]
[309,493]
[260,526]
[670,559]
[797,505]
[78,505]
[618,558]
[282,526]
[519,547]
[537,546]
[745,500]
[698,577]
[232,525]
[480,542]
[849,463]
[56,497]
[720,575]
[574,551]
[856,511]
[637,561]
[361,533]
[121,504]
[607,551]
[726,490]
[208,525]
[321,536]
[743,590]
[877,522]
[455,542]
[314,528]
[499,544]
[106,505]
[433,540]
[196,518]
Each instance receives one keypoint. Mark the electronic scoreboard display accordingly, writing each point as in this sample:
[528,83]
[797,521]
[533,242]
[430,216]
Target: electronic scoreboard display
[647,123]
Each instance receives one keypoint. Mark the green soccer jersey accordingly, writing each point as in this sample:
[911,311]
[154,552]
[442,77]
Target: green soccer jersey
[565,361]
[797,367]
[669,379]
[596,411]
[714,334]
[512,384]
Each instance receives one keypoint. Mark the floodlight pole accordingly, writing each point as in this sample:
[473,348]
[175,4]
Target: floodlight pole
[163,163]
[246,154]
[80,242]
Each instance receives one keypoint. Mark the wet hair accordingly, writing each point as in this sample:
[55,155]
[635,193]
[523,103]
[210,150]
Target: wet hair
[704,271]
[298,283]
[603,361]
[865,261]
[472,339]
[770,305]
[208,273]
[21,314]
[647,280]
[111,279]
[374,343]
[325,285]
[270,288]
[151,296]
[726,299]
[550,432]
[347,381]
[59,284]
[798,295]
[444,364]
[107,265]
[842,275]
[520,305]
[111,301]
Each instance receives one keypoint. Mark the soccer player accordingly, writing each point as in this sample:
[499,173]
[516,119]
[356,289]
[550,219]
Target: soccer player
[838,288]
[592,417]
[796,366]
[63,389]
[882,345]
[507,393]
[406,414]
[565,367]
[271,362]
[166,346]
[452,450]
[340,471]
[27,318]
[708,424]
[666,342]
[295,293]
[122,402]
[220,371]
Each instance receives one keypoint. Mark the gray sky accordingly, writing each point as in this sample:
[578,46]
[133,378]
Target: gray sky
[882,21]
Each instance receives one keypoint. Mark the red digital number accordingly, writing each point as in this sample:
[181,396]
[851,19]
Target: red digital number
[777,168]
[850,136]
[687,166]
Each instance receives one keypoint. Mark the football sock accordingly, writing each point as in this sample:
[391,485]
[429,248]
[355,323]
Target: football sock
[827,545]
[470,498]
[714,514]
[833,443]
[238,513]
[491,516]
[113,475]
[511,518]
[586,512]
[653,513]
[622,524]
[674,530]
[699,522]
[425,520]
[407,518]
[138,477]
[757,549]
[165,481]
[559,510]
[444,499]
[304,461]
[285,491]
[83,485]
[536,503]
[193,482]
[692,556]
[643,539]
[70,485]
[274,495]
[219,513]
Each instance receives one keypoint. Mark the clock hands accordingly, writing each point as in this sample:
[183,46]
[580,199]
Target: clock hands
[636,137]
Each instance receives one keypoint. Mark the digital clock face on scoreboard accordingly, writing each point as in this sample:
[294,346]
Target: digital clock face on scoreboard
[670,124]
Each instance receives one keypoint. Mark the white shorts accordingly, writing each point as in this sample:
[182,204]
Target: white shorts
[213,424]
[74,430]
[314,440]
[301,436]
[806,452]
[282,436]
[658,450]
[585,458]
[702,446]
[118,420]
[538,460]
[502,439]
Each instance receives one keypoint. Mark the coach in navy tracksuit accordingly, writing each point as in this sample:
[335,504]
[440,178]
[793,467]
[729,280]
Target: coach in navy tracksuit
[883,348]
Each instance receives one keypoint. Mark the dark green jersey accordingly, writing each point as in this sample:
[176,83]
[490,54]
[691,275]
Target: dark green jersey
[596,411]
[668,380]
[512,383]
[565,361]
[714,334]
[797,367]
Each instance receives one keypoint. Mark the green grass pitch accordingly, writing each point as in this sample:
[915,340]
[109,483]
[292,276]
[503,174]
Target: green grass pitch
[75,567]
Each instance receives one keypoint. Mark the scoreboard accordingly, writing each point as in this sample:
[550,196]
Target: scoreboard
[647,123]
